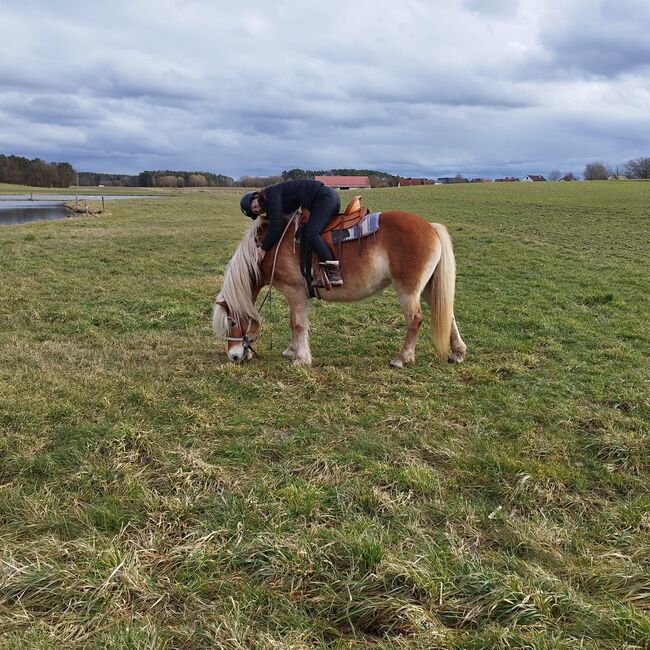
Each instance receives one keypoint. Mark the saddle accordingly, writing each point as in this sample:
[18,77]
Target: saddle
[352,216]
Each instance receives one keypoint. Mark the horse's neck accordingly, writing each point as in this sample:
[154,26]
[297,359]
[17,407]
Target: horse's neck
[256,287]
[281,262]
[260,233]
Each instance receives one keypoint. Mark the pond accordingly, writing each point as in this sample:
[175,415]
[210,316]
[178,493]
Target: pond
[23,208]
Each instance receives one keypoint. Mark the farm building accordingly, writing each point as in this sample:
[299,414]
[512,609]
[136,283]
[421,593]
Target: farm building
[533,178]
[446,180]
[345,182]
[407,182]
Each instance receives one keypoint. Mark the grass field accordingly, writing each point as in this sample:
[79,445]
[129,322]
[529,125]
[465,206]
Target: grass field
[154,496]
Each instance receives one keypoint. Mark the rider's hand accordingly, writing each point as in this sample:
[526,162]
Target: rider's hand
[260,254]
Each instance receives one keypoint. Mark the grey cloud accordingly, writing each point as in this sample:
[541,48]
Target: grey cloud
[602,39]
[600,53]
[420,88]
[497,8]
[62,109]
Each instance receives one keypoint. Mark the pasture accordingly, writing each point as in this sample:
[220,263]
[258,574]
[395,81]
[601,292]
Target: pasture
[154,496]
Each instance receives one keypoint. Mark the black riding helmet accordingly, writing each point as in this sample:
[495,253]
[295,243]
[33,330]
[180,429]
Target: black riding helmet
[245,204]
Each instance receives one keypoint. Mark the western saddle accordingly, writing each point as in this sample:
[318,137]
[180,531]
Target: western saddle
[353,214]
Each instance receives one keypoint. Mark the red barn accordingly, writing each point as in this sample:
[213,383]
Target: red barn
[345,182]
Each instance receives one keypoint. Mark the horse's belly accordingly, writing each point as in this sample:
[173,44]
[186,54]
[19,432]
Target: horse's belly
[363,276]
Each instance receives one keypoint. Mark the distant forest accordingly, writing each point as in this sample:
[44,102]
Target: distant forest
[37,172]
[166,178]
[169,178]
[377,179]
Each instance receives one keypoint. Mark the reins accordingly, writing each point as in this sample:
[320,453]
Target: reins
[245,339]
[275,259]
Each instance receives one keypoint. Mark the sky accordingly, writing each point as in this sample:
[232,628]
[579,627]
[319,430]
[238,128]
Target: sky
[416,88]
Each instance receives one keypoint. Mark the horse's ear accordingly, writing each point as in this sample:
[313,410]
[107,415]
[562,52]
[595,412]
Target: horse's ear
[222,303]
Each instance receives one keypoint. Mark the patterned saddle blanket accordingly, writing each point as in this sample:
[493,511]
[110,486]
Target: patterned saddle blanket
[367,226]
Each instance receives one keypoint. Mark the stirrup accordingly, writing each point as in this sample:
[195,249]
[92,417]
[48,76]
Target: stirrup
[332,273]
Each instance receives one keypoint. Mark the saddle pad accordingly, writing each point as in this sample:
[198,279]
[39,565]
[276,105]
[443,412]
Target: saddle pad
[367,226]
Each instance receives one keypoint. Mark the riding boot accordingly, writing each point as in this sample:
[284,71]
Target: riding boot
[332,271]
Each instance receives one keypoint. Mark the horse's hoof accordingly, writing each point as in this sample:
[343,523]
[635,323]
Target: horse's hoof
[396,363]
[302,361]
[455,358]
[288,353]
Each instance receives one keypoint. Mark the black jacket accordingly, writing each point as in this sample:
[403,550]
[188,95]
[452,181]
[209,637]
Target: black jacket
[285,198]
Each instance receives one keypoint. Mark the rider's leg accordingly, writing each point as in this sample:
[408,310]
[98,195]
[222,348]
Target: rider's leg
[326,205]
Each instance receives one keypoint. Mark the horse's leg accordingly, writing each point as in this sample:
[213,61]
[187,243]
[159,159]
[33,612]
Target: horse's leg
[289,352]
[413,316]
[298,349]
[458,347]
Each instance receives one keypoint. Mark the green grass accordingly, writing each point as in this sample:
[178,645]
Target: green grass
[154,496]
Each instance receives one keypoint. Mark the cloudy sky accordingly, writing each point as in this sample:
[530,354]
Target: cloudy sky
[418,88]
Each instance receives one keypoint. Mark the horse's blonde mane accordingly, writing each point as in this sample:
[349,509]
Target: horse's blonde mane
[242,271]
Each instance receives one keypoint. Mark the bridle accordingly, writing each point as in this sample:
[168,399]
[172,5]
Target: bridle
[243,330]
[248,334]
[246,339]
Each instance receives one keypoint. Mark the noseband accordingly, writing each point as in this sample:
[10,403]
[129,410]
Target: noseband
[246,339]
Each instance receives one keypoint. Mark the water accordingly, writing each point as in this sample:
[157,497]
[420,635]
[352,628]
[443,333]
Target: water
[21,208]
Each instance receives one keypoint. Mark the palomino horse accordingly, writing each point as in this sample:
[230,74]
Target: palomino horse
[414,255]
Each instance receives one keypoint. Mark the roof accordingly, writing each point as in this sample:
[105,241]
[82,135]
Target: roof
[405,182]
[344,181]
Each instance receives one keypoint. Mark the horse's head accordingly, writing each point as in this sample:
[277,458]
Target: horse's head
[240,331]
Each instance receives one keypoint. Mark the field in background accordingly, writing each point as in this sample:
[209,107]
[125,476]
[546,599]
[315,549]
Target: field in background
[154,496]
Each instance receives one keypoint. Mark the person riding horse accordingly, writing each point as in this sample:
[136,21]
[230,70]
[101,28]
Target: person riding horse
[283,198]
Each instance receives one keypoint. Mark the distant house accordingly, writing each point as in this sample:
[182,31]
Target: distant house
[407,182]
[533,178]
[568,177]
[617,177]
[507,179]
[345,182]
[446,180]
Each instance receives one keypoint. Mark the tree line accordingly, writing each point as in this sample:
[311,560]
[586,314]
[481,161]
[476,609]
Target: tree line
[36,172]
[376,178]
[638,168]
[160,178]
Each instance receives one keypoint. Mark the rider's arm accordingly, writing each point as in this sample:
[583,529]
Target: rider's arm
[275,216]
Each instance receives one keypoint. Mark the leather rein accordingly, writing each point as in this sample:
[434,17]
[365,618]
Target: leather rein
[246,339]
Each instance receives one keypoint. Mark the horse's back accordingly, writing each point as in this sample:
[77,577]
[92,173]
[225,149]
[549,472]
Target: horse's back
[407,236]
[398,220]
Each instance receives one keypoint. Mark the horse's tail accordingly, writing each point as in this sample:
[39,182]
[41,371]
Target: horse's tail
[442,287]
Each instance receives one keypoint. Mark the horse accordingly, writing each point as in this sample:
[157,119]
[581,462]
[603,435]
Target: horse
[407,251]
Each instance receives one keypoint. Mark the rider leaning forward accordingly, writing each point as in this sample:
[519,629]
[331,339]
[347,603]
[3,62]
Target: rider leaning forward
[284,198]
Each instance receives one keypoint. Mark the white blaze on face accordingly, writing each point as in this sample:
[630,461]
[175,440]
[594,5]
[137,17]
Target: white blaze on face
[236,352]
